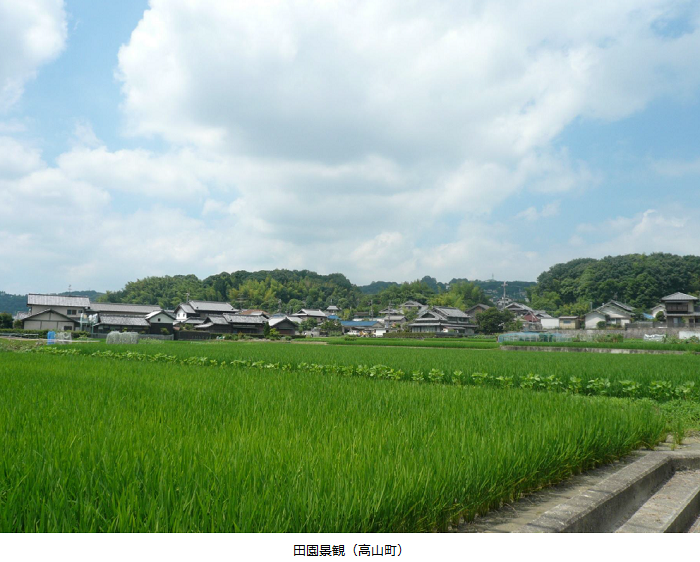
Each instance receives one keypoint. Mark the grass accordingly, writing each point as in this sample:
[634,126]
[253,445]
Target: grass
[92,444]
[407,342]
[644,369]
[629,344]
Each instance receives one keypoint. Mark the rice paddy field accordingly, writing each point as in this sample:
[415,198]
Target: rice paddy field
[263,437]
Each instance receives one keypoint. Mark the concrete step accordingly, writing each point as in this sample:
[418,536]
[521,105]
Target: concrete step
[658,493]
[672,509]
[695,527]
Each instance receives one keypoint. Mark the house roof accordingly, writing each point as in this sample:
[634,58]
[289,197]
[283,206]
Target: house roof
[20,315]
[244,319]
[117,320]
[158,312]
[410,304]
[395,317]
[211,306]
[359,324]
[333,308]
[190,321]
[46,311]
[622,305]
[57,300]
[252,312]
[187,309]
[279,319]
[123,308]
[310,312]
[216,319]
[450,311]
[679,297]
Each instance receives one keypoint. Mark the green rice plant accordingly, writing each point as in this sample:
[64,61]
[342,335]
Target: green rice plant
[140,444]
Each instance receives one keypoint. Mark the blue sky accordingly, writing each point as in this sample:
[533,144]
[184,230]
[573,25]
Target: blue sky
[384,141]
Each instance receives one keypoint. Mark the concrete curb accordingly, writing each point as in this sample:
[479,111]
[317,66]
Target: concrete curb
[607,506]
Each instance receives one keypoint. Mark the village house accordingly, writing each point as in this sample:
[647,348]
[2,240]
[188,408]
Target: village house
[363,327]
[613,313]
[680,309]
[54,312]
[198,310]
[310,313]
[285,325]
[476,309]
[569,322]
[333,312]
[443,319]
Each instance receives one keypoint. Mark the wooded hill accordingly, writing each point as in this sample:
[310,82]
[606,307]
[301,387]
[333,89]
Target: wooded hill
[287,291]
[636,279]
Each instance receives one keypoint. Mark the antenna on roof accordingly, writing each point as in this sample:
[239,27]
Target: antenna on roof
[70,290]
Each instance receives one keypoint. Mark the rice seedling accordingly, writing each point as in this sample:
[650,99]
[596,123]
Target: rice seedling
[98,444]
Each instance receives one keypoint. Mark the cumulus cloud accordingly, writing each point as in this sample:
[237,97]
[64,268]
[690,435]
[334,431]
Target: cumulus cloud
[670,229]
[377,139]
[32,32]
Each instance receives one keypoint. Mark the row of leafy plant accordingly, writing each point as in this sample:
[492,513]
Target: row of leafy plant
[660,390]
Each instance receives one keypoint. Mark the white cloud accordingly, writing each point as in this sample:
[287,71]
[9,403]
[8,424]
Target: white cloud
[677,168]
[32,32]
[670,229]
[531,214]
[377,139]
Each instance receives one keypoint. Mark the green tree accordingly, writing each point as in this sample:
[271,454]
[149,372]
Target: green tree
[5,320]
[308,324]
[492,321]
[331,328]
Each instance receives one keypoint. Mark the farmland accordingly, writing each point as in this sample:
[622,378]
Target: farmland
[613,375]
[211,442]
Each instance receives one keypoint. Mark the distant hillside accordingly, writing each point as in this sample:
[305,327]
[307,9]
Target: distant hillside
[637,279]
[18,303]
[377,287]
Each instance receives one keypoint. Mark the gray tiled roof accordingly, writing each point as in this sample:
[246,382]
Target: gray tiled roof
[123,308]
[211,306]
[112,320]
[278,319]
[679,297]
[187,308]
[57,300]
[159,312]
[243,319]
[216,319]
[311,312]
[450,311]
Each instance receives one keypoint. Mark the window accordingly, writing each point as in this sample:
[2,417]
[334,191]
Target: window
[71,312]
[67,328]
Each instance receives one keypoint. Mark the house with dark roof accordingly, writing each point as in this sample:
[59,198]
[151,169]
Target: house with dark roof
[113,322]
[194,312]
[285,325]
[476,309]
[411,305]
[362,327]
[443,319]
[246,324]
[122,309]
[681,309]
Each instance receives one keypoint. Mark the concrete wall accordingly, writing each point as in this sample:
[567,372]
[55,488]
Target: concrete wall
[638,333]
